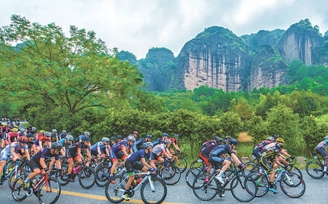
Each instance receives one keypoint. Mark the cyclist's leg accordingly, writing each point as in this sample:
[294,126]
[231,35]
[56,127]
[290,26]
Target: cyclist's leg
[129,169]
[324,155]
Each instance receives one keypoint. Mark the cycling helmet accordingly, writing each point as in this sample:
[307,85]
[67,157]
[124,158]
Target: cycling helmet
[56,146]
[176,135]
[228,137]
[42,132]
[5,124]
[30,126]
[326,138]
[23,139]
[275,136]
[87,134]
[131,138]
[15,130]
[279,146]
[34,128]
[64,131]
[279,139]
[85,138]
[136,133]
[47,134]
[105,139]
[165,135]
[22,129]
[69,137]
[113,139]
[148,144]
[233,141]
[29,135]
[217,138]
[270,138]
[54,130]
[148,136]
[167,142]
[119,137]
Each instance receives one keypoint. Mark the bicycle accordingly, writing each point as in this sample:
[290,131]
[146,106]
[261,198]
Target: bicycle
[170,173]
[180,162]
[286,179]
[86,175]
[47,189]
[247,186]
[153,189]
[12,172]
[315,168]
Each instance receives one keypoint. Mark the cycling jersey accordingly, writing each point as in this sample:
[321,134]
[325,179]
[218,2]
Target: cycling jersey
[42,138]
[221,150]
[63,142]
[118,146]
[159,148]
[102,147]
[78,145]
[54,137]
[45,153]
[135,157]
[269,155]
[4,129]
[174,140]
[322,144]
[137,145]
[158,141]
[11,136]
[269,147]
[262,145]
[22,134]
[62,135]
[209,147]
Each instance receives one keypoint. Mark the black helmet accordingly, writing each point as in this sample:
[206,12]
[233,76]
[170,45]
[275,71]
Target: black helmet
[275,136]
[233,141]
[56,146]
[148,136]
[113,139]
[119,137]
[279,145]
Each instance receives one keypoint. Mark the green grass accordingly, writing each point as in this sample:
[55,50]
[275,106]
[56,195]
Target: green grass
[25,124]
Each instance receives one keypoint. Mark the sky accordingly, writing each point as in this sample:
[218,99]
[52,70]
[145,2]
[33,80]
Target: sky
[138,25]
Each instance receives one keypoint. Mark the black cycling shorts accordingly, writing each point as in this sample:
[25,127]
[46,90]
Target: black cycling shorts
[130,166]
[34,165]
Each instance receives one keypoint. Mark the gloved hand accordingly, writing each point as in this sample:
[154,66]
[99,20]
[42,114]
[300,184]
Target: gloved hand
[151,169]
[292,157]
[241,166]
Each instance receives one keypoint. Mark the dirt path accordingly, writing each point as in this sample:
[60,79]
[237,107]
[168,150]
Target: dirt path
[243,137]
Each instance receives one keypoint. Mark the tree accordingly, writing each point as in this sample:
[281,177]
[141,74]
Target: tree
[70,73]
[310,131]
[257,129]
[230,124]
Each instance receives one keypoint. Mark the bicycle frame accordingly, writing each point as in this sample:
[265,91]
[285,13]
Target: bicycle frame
[148,176]
[15,168]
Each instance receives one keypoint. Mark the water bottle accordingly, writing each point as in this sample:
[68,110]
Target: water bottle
[74,170]
[78,168]
[135,182]
[139,180]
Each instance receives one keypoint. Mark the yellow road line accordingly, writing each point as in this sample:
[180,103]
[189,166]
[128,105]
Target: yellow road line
[97,197]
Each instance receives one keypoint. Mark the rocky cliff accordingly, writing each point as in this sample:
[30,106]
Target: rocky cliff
[220,59]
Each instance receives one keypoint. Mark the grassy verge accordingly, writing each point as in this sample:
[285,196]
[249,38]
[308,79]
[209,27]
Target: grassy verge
[25,124]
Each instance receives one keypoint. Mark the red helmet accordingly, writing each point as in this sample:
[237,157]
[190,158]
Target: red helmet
[135,132]
[23,139]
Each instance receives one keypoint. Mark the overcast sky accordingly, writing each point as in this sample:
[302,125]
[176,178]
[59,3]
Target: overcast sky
[138,25]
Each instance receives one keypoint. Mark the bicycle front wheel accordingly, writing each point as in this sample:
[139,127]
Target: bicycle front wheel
[243,188]
[314,169]
[17,191]
[115,189]
[62,177]
[87,177]
[155,193]
[181,163]
[205,190]
[171,175]
[102,174]
[292,185]
[15,175]
[49,191]
[191,175]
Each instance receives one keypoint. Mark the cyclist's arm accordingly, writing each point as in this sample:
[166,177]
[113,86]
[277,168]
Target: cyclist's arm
[176,146]
[124,151]
[88,153]
[58,164]
[42,163]
[40,144]
[62,151]
[52,162]
[99,152]
[235,159]
[284,152]
[167,153]
[12,152]
[281,159]
[79,153]
[145,163]
[28,155]
[107,152]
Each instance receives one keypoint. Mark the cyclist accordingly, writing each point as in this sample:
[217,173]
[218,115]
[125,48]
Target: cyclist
[4,129]
[227,138]
[205,153]
[174,141]
[63,134]
[22,132]
[137,145]
[34,130]
[30,143]
[132,163]
[74,152]
[258,149]
[217,158]
[29,129]
[266,161]
[161,149]
[65,142]
[54,136]
[12,136]
[275,137]
[321,149]
[165,136]
[79,138]
[100,148]
[42,139]
[119,151]
[14,152]
[38,165]
[119,138]
[113,140]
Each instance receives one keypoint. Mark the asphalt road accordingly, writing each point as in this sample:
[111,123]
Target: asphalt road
[180,193]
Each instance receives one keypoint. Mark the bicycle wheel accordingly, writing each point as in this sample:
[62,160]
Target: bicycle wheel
[102,174]
[262,185]
[171,175]
[155,193]
[243,188]
[314,169]
[115,191]
[15,175]
[191,175]
[292,185]
[63,177]
[87,177]
[49,191]
[250,168]
[17,191]
[205,190]
[181,163]
[197,163]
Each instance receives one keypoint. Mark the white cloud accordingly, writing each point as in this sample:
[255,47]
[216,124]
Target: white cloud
[136,26]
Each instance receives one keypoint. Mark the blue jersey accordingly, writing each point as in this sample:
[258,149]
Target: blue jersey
[15,145]
[62,141]
[221,150]
[135,157]
[118,146]
[45,153]
[62,135]
[100,145]
[322,144]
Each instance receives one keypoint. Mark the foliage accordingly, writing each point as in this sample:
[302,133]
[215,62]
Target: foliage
[257,129]
[230,124]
